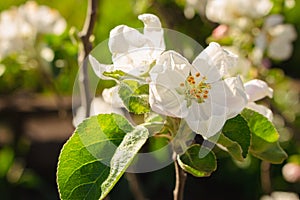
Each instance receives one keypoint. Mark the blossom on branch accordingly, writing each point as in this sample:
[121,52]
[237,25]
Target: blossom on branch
[197,92]
[236,11]
[19,26]
[275,38]
[133,52]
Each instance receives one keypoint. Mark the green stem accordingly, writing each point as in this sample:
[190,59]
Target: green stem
[164,136]
[178,191]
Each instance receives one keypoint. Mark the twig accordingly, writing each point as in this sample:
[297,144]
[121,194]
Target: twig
[135,186]
[180,180]
[85,49]
[265,177]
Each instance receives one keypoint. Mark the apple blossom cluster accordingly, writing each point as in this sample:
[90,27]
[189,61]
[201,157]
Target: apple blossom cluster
[275,38]
[249,23]
[19,26]
[201,92]
[237,12]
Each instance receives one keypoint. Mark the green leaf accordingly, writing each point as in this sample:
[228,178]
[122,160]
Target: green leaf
[135,96]
[192,163]
[117,74]
[123,156]
[264,138]
[96,156]
[232,147]
[236,137]
[6,159]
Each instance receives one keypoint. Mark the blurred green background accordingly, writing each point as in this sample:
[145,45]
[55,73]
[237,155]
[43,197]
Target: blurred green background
[36,108]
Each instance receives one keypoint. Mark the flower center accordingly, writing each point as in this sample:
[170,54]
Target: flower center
[194,88]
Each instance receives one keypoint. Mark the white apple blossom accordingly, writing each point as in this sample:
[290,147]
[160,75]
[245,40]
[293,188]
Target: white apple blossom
[256,90]
[236,11]
[275,38]
[13,32]
[42,18]
[19,26]
[133,52]
[196,92]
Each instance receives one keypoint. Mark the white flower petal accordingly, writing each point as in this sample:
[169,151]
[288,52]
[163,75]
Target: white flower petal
[215,11]
[257,89]
[280,49]
[99,106]
[100,68]
[232,11]
[150,20]
[132,51]
[262,8]
[123,38]
[167,102]
[276,38]
[206,125]
[261,109]
[213,62]
[128,49]
[209,117]
[42,18]
[261,41]
[111,97]
[135,62]
[60,26]
[169,72]
[286,31]
[171,61]
[153,30]
[236,97]
[207,128]
[272,21]
[217,93]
